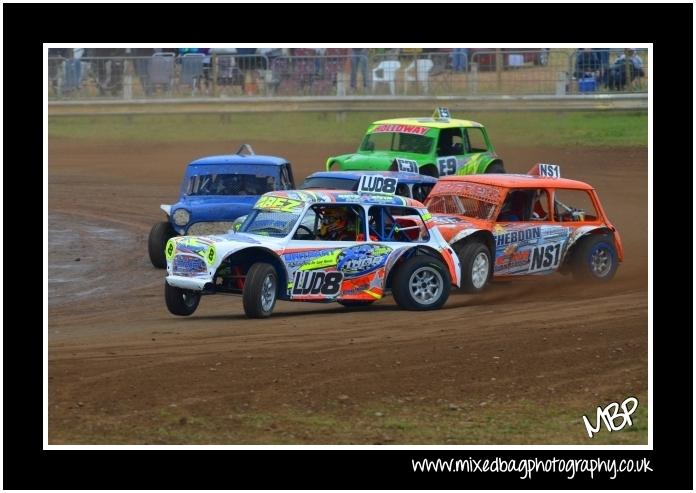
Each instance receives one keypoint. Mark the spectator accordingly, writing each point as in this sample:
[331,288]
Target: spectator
[140,64]
[55,65]
[460,59]
[108,67]
[603,57]
[587,64]
[624,70]
[630,53]
[207,66]
[358,62]
[247,61]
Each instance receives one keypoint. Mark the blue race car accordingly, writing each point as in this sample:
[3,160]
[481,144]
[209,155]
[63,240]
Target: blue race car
[215,191]
[411,185]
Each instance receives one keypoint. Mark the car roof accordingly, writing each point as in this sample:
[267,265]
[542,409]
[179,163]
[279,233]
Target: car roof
[355,175]
[510,180]
[345,197]
[255,159]
[430,122]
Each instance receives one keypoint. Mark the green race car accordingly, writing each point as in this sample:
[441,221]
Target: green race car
[435,146]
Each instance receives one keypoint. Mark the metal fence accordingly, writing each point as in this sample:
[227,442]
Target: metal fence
[397,72]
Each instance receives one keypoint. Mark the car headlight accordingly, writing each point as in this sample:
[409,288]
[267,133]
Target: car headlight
[181,217]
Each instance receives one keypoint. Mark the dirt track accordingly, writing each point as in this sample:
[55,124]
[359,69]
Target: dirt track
[122,369]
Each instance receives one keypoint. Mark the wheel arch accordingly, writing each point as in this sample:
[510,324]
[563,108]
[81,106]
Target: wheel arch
[407,253]
[431,170]
[480,235]
[331,161]
[493,161]
[246,257]
[573,242]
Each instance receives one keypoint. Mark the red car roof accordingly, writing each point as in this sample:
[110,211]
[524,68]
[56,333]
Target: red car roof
[520,181]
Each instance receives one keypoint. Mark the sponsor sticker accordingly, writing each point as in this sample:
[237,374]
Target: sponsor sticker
[283,204]
[403,129]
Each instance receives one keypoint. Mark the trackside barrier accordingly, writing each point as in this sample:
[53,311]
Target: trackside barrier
[336,73]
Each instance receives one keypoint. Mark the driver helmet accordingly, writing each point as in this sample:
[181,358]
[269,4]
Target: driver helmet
[334,220]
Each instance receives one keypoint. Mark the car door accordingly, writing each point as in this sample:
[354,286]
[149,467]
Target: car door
[526,237]
[450,151]
[312,262]
[477,153]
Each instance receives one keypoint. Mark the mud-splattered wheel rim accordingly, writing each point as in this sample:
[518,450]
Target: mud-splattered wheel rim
[426,285]
[268,292]
[600,262]
[479,270]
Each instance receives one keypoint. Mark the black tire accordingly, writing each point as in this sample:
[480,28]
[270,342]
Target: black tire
[355,303]
[258,296]
[416,278]
[495,167]
[594,258]
[475,262]
[182,302]
[159,236]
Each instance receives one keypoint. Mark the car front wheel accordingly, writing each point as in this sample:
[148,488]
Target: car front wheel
[260,290]
[182,302]
[475,262]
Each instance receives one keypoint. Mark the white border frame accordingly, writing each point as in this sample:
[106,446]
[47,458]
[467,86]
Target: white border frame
[47,446]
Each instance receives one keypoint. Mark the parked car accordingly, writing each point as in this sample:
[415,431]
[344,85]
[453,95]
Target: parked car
[440,146]
[411,185]
[505,226]
[214,192]
[317,246]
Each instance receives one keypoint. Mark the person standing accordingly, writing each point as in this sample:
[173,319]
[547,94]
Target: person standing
[358,63]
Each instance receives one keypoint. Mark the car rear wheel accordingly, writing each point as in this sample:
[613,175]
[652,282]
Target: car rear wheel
[159,236]
[475,262]
[182,302]
[421,283]
[496,167]
[595,259]
[429,170]
[260,290]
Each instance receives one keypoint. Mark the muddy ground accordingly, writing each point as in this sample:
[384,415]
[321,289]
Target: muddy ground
[518,364]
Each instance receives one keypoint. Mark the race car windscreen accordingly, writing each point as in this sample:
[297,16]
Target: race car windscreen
[230,184]
[270,222]
[330,183]
[397,142]
[462,206]
[465,199]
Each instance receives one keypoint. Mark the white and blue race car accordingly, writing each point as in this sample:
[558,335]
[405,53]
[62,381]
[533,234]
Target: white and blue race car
[387,243]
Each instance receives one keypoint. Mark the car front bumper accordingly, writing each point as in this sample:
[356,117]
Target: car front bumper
[192,283]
